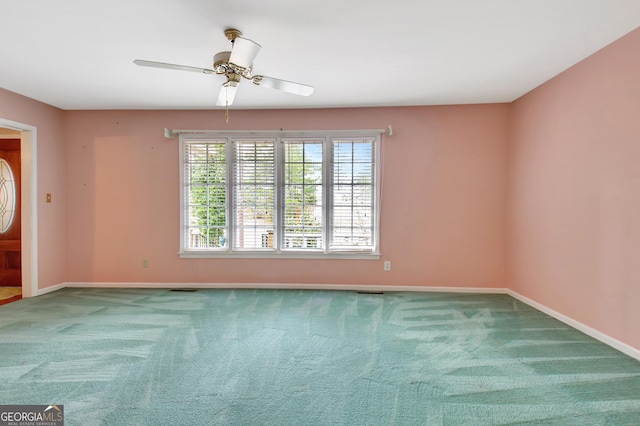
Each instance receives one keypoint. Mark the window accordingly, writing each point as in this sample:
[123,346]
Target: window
[7,196]
[296,195]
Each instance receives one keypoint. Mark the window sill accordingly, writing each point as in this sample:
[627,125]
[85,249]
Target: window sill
[347,255]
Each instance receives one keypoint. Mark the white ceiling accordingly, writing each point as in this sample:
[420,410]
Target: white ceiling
[77,54]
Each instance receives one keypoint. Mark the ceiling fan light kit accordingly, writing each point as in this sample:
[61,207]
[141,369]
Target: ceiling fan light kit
[235,65]
[228,92]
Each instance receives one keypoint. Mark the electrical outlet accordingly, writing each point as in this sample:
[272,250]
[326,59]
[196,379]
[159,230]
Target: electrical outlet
[145,263]
[387,265]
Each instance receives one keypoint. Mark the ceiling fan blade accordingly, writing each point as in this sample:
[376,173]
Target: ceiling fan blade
[244,52]
[284,85]
[153,64]
[227,93]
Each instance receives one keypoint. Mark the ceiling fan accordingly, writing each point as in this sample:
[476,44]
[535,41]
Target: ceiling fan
[235,65]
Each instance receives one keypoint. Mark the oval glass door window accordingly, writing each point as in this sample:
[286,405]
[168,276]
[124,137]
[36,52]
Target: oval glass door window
[7,196]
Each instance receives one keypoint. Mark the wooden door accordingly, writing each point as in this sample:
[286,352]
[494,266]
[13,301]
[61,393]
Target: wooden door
[10,245]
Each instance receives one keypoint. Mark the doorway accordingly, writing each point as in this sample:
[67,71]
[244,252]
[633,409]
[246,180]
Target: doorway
[10,231]
[24,262]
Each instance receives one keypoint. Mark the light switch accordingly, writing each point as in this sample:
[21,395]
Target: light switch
[48,197]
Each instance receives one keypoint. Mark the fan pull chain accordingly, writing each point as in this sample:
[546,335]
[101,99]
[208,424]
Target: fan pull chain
[226,112]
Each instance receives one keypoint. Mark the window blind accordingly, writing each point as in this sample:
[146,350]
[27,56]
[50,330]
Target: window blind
[352,193]
[205,172]
[254,174]
[303,195]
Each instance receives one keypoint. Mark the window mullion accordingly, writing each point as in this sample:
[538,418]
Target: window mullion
[377,191]
[230,199]
[327,191]
[278,216]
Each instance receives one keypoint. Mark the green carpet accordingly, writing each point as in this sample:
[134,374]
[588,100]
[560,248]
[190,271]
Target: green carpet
[299,357]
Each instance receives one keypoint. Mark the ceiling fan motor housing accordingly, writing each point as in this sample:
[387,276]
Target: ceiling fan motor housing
[220,60]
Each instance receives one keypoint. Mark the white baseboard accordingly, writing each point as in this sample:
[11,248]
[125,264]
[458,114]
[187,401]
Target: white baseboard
[348,287]
[608,340]
[46,290]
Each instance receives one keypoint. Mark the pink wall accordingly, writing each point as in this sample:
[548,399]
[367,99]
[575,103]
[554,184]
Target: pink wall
[51,162]
[443,202]
[574,192]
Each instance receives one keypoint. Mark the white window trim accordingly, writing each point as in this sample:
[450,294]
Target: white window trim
[373,254]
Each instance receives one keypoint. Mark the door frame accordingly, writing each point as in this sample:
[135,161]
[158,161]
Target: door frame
[29,204]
